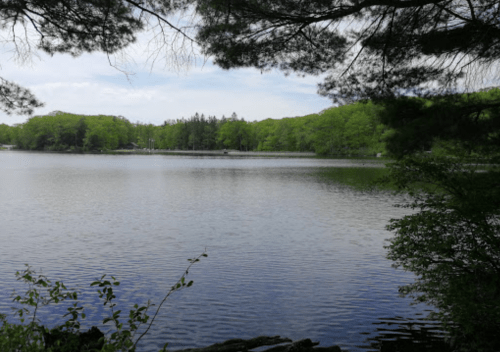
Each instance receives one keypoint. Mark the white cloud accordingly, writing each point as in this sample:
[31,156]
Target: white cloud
[89,85]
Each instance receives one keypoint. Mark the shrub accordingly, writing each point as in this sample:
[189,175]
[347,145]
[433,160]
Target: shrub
[452,243]
[30,336]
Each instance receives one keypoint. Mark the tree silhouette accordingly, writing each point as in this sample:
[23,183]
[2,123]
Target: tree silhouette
[369,48]
[75,27]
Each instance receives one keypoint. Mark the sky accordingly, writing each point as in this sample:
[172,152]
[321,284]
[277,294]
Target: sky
[89,85]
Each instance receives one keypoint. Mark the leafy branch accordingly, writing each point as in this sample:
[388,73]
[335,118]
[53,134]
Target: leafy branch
[67,337]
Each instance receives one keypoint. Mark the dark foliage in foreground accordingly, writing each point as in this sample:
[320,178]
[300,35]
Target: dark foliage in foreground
[452,243]
[29,335]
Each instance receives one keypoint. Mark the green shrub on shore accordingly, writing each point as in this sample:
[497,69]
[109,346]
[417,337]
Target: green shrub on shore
[29,335]
[451,242]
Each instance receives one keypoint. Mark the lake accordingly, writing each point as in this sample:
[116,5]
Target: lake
[290,251]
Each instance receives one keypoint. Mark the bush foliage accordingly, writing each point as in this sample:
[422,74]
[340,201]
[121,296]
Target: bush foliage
[451,241]
[29,335]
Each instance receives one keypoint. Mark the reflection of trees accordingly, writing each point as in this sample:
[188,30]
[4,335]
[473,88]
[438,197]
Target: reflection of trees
[399,334]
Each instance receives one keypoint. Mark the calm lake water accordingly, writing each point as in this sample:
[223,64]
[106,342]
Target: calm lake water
[290,252]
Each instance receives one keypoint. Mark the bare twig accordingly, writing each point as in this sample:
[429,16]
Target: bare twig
[178,285]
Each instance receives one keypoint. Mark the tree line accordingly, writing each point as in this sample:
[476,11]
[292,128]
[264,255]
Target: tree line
[345,130]
[361,128]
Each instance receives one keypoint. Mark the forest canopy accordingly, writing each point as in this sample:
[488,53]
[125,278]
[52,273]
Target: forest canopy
[362,128]
[347,130]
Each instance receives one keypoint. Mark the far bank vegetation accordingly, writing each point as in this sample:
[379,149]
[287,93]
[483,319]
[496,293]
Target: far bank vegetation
[355,129]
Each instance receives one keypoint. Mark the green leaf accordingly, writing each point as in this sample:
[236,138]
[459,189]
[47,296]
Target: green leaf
[164,347]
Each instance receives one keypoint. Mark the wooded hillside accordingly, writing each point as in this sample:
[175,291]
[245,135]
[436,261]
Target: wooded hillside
[355,129]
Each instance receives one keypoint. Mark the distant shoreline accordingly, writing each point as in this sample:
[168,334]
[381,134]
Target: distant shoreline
[229,153]
[177,152]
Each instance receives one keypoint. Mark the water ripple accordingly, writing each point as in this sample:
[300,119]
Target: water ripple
[289,254]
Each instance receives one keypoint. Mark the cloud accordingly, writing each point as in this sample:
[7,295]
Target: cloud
[89,85]
[156,104]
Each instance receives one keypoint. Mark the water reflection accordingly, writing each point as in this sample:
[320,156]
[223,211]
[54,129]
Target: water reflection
[400,334]
[359,178]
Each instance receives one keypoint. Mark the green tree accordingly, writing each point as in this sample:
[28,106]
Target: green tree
[329,132]
[363,130]
[163,135]
[180,134]
[302,132]
[210,133]
[5,134]
[286,136]
[227,136]
[471,120]
[235,134]
[144,134]
[196,127]
[265,134]
[451,242]
[34,134]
